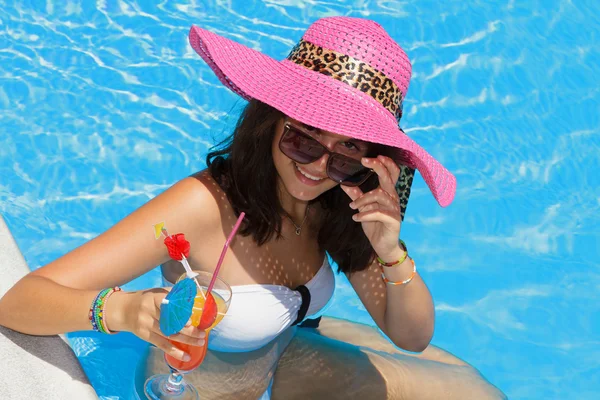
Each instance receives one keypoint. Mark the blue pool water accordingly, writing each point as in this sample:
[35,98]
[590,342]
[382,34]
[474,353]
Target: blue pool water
[103,105]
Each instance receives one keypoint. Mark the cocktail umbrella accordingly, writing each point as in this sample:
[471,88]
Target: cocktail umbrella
[176,308]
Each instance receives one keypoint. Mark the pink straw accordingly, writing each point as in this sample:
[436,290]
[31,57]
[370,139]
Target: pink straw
[231,235]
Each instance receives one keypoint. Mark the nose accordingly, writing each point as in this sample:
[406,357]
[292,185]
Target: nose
[319,167]
[321,163]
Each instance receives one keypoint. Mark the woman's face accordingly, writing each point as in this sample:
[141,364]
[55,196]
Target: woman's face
[308,181]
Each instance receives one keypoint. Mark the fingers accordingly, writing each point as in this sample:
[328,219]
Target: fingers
[378,196]
[377,205]
[387,171]
[147,327]
[169,348]
[193,331]
[155,336]
[188,335]
[388,218]
[159,295]
[192,341]
[392,168]
[353,192]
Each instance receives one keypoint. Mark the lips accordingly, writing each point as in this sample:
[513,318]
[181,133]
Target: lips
[306,179]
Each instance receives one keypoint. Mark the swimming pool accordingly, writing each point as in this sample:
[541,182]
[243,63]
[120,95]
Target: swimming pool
[105,105]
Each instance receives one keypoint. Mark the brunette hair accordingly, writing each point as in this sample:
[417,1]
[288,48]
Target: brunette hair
[243,166]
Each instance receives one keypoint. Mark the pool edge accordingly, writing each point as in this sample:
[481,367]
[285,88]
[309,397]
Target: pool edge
[35,366]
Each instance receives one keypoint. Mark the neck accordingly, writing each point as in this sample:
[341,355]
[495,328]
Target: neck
[296,209]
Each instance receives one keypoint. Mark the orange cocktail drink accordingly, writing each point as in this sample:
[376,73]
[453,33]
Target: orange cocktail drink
[206,314]
[211,302]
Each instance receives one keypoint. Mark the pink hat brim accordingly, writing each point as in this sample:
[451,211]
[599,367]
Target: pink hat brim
[317,100]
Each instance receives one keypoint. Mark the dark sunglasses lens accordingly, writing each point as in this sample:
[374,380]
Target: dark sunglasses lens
[347,170]
[300,147]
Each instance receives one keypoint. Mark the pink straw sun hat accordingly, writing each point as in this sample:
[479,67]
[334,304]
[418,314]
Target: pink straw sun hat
[345,75]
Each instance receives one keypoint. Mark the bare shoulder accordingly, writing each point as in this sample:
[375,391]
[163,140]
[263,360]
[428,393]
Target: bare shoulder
[129,248]
[211,197]
[200,199]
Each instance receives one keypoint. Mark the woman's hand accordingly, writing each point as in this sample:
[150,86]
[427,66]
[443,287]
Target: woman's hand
[139,313]
[379,209]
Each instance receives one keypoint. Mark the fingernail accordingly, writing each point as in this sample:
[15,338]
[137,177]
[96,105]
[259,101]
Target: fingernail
[200,342]
[202,335]
[186,357]
[354,217]
[352,205]
[365,159]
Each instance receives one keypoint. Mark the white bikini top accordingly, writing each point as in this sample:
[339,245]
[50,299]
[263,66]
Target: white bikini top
[259,313]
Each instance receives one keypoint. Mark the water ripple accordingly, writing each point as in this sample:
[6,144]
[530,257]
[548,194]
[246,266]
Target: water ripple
[104,105]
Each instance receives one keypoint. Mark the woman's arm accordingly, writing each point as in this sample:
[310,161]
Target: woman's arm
[56,298]
[405,313]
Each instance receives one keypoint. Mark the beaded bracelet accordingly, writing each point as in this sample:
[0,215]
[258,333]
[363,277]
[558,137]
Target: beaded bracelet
[92,315]
[400,261]
[404,282]
[96,314]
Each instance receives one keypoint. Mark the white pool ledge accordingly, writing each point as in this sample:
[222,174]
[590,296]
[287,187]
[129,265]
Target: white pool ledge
[34,367]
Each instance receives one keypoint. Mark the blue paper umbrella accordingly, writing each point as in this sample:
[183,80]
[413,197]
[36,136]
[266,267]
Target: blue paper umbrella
[176,308]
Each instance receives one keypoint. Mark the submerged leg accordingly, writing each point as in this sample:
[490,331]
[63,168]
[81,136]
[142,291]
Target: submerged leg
[346,360]
[364,335]
[340,359]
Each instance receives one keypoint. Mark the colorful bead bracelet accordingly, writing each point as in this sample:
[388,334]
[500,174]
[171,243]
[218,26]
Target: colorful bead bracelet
[96,314]
[404,282]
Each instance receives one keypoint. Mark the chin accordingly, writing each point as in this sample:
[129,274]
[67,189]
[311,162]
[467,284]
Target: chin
[309,194]
[301,191]
[306,194]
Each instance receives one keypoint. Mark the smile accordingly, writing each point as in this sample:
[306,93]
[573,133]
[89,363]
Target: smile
[313,178]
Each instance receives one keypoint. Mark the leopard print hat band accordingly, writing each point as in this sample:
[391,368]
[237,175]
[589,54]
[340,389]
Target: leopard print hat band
[350,71]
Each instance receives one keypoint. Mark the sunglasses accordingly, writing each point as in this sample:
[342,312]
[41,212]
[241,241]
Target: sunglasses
[298,145]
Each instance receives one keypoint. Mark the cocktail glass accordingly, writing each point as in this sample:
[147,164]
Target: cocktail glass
[172,386]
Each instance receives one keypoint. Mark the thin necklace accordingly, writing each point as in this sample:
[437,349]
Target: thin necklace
[299,228]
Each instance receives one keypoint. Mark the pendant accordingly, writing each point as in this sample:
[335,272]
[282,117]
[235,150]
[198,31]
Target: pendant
[298,231]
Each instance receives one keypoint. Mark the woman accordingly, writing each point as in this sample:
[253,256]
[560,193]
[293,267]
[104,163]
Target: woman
[317,162]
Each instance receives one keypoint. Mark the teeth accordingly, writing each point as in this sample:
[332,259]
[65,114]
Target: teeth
[307,175]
